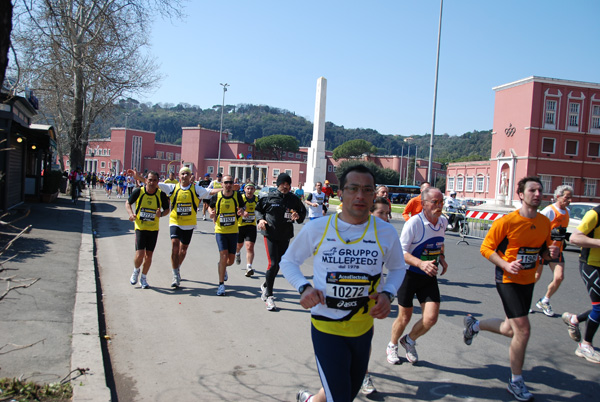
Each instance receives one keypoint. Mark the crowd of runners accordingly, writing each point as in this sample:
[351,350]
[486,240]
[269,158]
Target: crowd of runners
[349,250]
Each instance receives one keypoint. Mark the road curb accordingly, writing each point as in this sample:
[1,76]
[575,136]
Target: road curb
[86,350]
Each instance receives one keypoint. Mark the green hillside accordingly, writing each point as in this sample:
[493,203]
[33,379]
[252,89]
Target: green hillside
[250,122]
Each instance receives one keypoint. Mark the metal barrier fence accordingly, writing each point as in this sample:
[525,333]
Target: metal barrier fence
[479,222]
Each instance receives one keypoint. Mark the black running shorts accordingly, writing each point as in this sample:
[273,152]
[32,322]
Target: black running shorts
[424,286]
[146,239]
[516,298]
[247,233]
[184,236]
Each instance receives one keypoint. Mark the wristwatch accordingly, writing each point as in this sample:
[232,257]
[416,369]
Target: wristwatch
[302,288]
[390,295]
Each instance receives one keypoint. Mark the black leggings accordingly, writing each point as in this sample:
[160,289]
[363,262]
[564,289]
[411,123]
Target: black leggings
[591,277]
[275,250]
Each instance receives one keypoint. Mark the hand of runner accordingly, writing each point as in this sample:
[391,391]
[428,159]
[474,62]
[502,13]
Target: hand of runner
[429,267]
[513,267]
[262,225]
[382,308]
[294,215]
[311,297]
[554,251]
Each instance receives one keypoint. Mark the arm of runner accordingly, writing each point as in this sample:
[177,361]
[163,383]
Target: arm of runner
[511,267]
[129,211]
[428,267]
[382,308]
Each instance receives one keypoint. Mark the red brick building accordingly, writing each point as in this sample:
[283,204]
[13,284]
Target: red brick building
[543,127]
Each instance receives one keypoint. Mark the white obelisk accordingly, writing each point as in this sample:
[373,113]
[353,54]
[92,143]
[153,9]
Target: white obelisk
[316,164]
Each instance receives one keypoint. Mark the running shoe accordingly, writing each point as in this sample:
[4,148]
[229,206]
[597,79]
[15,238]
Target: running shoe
[144,283]
[545,307]
[303,396]
[411,350]
[468,332]
[226,276]
[588,353]
[134,277]
[367,385]
[249,272]
[263,292]
[204,218]
[519,390]
[271,304]
[176,279]
[573,329]
[238,259]
[392,353]
[221,290]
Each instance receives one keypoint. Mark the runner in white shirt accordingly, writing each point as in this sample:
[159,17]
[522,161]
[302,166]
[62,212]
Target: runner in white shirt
[315,201]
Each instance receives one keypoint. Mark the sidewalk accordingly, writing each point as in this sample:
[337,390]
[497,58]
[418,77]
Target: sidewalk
[51,328]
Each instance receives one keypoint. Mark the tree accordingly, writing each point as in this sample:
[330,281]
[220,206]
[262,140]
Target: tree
[277,144]
[382,176]
[353,148]
[5,28]
[81,56]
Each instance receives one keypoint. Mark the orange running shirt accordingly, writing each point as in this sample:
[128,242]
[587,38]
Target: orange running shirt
[515,237]
[413,207]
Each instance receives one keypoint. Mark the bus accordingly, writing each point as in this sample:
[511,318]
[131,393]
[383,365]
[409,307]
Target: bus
[402,194]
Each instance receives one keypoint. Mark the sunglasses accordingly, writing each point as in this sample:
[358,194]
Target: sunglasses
[228,182]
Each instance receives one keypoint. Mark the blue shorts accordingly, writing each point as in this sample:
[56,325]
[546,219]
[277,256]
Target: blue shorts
[342,362]
[227,241]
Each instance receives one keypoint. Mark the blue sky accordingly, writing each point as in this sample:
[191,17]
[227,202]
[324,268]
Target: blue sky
[378,56]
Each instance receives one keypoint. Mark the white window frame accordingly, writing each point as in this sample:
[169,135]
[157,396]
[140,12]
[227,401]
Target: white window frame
[210,169]
[290,154]
[546,183]
[298,156]
[576,147]
[574,116]
[169,156]
[276,172]
[550,107]
[163,167]
[334,168]
[479,185]
[460,182]
[568,181]
[160,155]
[469,184]
[553,145]
[288,172]
[595,119]
[450,183]
[250,148]
[330,168]
[177,157]
[102,164]
[590,188]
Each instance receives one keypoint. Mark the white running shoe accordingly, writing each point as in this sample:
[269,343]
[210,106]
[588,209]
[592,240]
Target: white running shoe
[367,387]
[573,329]
[519,390]
[263,290]
[144,283]
[271,304]
[176,278]
[545,307]
[221,290]
[303,396]
[588,353]
[392,353]
[411,350]
[134,277]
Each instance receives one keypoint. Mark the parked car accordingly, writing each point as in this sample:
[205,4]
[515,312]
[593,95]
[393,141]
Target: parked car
[266,190]
[576,212]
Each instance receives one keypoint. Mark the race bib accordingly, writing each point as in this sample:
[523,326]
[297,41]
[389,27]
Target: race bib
[147,214]
[227,219]
[347,291]
[288,215]
[249,218]
[184,209]
[528,257]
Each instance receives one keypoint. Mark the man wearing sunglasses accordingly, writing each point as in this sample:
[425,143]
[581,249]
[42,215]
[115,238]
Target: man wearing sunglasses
[225,208]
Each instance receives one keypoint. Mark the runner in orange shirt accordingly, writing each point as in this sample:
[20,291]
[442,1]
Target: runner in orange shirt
[414,206]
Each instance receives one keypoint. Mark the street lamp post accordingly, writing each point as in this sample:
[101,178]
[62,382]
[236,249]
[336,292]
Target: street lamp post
[221,129]
[437,68]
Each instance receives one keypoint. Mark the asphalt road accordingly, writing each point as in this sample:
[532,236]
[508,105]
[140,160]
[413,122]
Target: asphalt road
[190,345]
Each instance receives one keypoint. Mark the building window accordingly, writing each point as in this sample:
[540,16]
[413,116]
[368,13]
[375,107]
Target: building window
[109,152]
[469,186]
[334,168]
[210,169]
[568,181]
[571,147]
[450,183]
[550,119]
[276,172]
[304,158]
[479,184]
[298,156]
[574,115]
[102,164]
[177,157]
[594,149]
[163,167]
[330,168]
[548,145]
[590,188]
[169,156]
[160,155]
[459,183]
[546,183]
[596,117]
[288,172]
